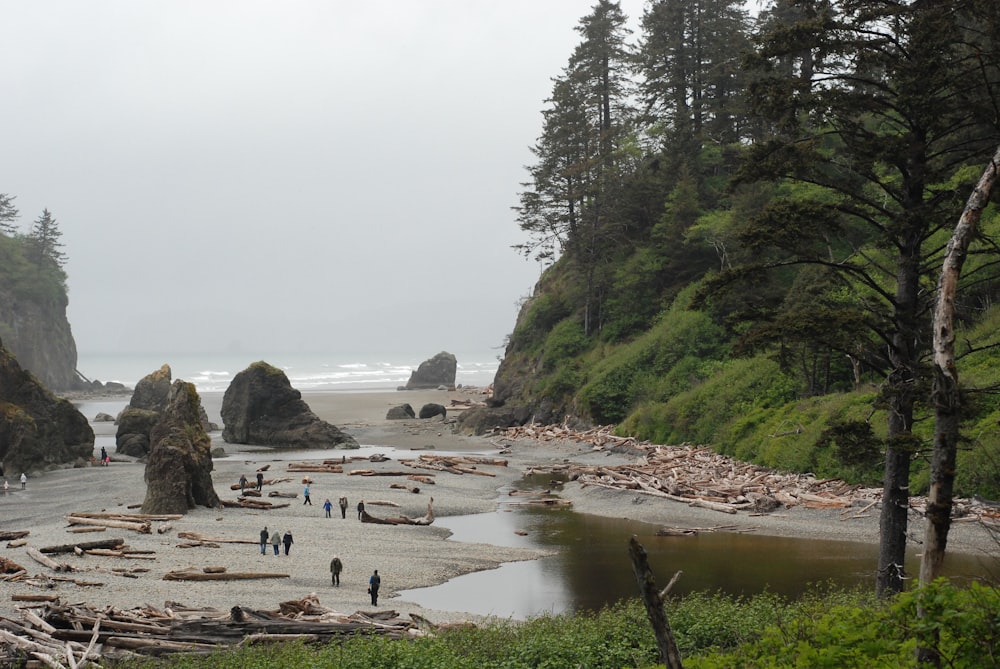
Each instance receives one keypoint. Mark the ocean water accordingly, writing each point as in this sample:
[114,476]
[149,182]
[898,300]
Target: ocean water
[212,372]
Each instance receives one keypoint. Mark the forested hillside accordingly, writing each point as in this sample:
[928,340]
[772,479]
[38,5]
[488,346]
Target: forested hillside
[743,220]
[33,297]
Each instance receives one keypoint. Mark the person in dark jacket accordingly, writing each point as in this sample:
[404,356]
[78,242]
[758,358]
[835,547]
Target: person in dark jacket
[336,566]
[374,583]
[287,539]
[343,506]
[263,540]
[361,508]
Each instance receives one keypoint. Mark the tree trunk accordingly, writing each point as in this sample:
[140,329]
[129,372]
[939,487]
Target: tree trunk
[653,600]
[947,393]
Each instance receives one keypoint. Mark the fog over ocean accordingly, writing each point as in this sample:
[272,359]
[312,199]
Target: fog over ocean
[212,372]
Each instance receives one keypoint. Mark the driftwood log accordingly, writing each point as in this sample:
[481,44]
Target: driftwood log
[401,520]
[84,545]
[16,534]
[654,602]
[200,575]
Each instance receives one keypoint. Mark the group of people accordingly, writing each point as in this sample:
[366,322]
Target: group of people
[328,507]
[24,483]
[276,540]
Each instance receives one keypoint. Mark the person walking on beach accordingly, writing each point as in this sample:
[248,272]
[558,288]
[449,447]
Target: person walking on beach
[104,457]
[24,480]
[374,582]
[343,506]
[260,481]
[361,508]
[305,493]
[336,566]
[243,483]
[275,541]
[327,507]
[288,541]
[263,541]
[6,486]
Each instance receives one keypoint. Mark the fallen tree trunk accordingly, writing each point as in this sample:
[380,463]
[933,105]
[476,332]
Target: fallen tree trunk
[143,527]
[84,545]
[195,575]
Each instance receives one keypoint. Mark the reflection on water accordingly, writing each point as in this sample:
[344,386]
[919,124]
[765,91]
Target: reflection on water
[593,569]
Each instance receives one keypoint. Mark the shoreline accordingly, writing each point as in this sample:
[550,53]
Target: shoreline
[408,557]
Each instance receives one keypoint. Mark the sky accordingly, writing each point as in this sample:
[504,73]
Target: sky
[304,175]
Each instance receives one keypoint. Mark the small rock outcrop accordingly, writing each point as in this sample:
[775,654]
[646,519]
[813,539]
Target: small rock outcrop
[260,406]
[401,412]
[37,429]
[431,410]
[179,470]
[480,420]
[438,371]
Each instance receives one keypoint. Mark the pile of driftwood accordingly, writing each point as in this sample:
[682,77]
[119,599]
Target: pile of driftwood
[137,522]
[454,464]
[58,635]
[698,476]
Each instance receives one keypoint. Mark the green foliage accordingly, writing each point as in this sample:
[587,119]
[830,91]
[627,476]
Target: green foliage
[700,415]
[565,340]
[825,628]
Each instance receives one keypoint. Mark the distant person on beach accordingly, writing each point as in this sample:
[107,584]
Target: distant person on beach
[361,508]
[343,506]
[263,541]
[24,480]
[374,582]
[104,457]
[243,483]
[276,541]
[336,566]
[288,541]
[305,493]
[260,481]
[6,486]
[328,507]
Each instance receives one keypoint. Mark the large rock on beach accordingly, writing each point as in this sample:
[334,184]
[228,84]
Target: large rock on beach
[430,410]
[149,400]
[400,412]
[260,406]
[37,429]
[434,373]
[179,470]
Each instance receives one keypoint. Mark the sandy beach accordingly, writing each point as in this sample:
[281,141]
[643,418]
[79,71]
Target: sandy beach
[407,556]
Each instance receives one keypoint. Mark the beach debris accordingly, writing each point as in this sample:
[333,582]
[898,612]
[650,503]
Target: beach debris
[16,534]
[426,479]
[454,464]
[138,522]
[84,546]
[325,467]
[283,495]
[195,536]
[75,635]
[8,566]
[87,528]
[399,520]
[697,476]
[372,472]
[402,486]
[46,561]
[194,574]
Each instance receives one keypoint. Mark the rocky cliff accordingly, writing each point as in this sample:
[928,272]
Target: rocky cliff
[37,429]
[38,334]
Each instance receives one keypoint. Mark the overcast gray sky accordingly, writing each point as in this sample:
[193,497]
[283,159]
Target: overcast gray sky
[305,174]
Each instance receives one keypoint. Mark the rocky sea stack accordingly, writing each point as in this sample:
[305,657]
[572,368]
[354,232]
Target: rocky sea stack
[434,373]
[179,470]
[261,407]
[37,429]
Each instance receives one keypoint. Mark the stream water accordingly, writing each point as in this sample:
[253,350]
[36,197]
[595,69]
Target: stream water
[593,570]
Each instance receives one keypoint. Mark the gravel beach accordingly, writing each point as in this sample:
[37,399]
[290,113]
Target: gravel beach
[407,557]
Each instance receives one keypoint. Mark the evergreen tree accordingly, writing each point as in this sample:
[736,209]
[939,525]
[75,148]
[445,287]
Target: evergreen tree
[43,241]
[874,110]
[573,199]
[8,215]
